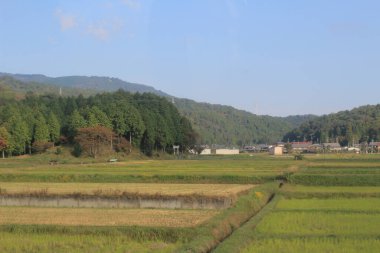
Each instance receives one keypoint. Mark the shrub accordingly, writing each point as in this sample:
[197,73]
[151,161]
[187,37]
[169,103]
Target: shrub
[41,146]
[298,157]
[58,151]
[77,151]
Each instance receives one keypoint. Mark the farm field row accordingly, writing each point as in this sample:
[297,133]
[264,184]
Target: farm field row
[323,192]
[104,217]
[104,189]
[244,169]
[335,179]
[63,243]
[330,189]
[314,245]
[342,170]
[319,225]
[339,171]
[217,164]
[332,204]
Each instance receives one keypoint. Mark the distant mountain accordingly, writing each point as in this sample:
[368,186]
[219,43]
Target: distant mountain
[216,124]
[11,88]
[87,82]
[346,127]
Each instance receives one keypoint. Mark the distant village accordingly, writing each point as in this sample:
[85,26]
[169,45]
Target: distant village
[281,148]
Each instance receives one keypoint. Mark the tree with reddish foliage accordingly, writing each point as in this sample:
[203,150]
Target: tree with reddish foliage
[122,145]
[4,139]
[95,140]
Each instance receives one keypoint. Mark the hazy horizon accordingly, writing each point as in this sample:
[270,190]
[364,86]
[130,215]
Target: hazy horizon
[270,58]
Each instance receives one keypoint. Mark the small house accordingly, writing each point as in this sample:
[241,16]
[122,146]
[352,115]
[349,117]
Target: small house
[301,146]
[332,146]
[276,150]
[225,151]
[374,147]
[206,151]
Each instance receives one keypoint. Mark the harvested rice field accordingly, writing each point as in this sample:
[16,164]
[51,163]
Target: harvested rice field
[214,190]
[104,217]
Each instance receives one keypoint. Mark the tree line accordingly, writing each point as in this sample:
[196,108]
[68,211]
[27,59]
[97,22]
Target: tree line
[359,125]
[148,121]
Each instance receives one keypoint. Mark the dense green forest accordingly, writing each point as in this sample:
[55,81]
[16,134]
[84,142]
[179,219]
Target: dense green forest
[216,124]
[149,121]
[226,125]
[361,124]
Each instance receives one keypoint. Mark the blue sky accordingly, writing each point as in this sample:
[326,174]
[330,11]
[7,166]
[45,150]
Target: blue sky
[271,57]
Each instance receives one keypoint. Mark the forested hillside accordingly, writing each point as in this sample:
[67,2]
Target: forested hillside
[150,121]
[347,127]
[226,125]
[221,124]
[216,124]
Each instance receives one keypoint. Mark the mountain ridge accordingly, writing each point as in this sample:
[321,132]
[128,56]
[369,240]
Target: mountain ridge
[83,82]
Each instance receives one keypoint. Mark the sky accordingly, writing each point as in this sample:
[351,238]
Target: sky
[270,57]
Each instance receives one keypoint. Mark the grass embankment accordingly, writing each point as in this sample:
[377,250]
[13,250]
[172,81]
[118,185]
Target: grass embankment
[224,224]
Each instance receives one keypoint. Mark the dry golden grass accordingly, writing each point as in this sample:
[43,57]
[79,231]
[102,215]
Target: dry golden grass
[104,217]
[217,190]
